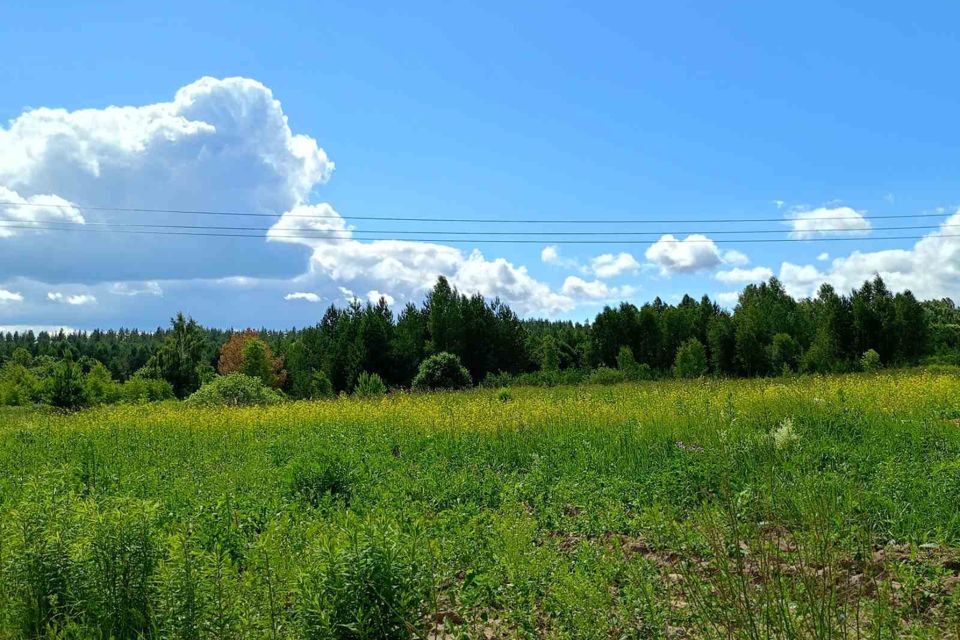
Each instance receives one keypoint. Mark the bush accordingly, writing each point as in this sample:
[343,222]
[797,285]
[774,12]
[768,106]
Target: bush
[369,385]
[441,371]
[319,386]
[504,395]
[100,387]
[234,390]
[362,586]
[691,360]
[64,387]
[870,361]
[606,375]
[632,369]
[311,480]
[138,390]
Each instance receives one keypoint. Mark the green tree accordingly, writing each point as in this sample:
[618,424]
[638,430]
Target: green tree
[549,354]
[256,361]
[691,360]
[784,353]
[179,357]
[64,387]
[442,371]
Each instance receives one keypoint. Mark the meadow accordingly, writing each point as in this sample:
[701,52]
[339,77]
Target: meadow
[794,507]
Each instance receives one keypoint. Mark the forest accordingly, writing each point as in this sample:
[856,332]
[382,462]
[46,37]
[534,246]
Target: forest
[454,340]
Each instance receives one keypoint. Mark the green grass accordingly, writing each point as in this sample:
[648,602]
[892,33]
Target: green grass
[796,507]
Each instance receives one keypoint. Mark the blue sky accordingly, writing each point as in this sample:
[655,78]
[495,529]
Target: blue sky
[485,110]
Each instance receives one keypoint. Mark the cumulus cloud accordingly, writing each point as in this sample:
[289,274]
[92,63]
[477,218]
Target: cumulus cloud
[10,296]
[828,221]
[931,268]
[696,252]
[76,299]
[735,258]
[823,257]
[744,276]
[218,144]
[35,210]
[578,288]
[728,299]
[609,265]
[374,297]
[307,296]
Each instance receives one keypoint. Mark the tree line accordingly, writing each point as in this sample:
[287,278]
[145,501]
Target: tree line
[767,333]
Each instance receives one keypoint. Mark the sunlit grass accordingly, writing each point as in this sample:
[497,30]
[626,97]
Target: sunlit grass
[791,507]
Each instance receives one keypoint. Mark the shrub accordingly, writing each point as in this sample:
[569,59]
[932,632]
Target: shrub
[504,395]
[64,387]
[870,361]
[441,371]
[361,586]
[691,360]
[369,385]
[234,390]
[311,480]
[99,386]
[18,385]
[606,375]
[138,390]
[632,369]
[319,385]
[783,353]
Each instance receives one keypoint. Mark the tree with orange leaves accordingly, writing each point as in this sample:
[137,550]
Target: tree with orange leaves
[237,350]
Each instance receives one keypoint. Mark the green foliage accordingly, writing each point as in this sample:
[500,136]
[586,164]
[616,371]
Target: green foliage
[256,361]
[365,585]
[632,369]
[870,361]
[691,360]
[64,388]
[783,353]
[565,512]
[549,354]
[370,385]
[313,480]
[504,395]
[320,385]
[235,390]
[441,371]
[179,358]
[606,376]
[18,385]
[138,390]
[99,387]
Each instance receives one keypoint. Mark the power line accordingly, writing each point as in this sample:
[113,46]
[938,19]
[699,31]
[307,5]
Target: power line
[124,225]
[203,212]
[80,229]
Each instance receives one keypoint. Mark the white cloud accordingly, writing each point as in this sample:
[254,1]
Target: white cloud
[828,221]
[303,295]
[38,209]
[609,265]
[735,258]
[931,268]
[744,276]
[374,297]
[823,257]
[696,252]
[728,299]
[77,299]
[10,296]
[132,289]
[219,144]
[579,288]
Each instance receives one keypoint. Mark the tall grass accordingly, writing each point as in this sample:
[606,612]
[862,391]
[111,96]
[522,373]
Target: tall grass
[808,507]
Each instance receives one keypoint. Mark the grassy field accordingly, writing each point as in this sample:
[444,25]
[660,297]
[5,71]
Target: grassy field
[795,507]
